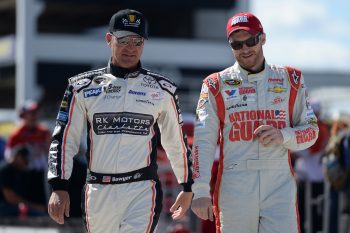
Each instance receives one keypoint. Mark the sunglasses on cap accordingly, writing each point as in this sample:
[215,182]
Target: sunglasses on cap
[252,41]
[126,40]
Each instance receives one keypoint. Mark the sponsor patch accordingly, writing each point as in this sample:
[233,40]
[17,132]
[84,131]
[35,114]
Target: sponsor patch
[111,89]
[150,82]
[237,106]
[295,77]
[122,123]
[233,82]
[195,166]
[64,105]
[231,94]
[62,116]
[202,115]
[211,82]
[145,102]
[277,89]
[140,93]
[249,97]
[246,90]
[165,84]
[276,80]
[307,135]
[278,100]
[157,95]
[92,92]
[80,83]
[111,97]
[201,103]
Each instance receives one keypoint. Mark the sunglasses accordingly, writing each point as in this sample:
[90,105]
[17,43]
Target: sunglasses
[252,41]
[126,40]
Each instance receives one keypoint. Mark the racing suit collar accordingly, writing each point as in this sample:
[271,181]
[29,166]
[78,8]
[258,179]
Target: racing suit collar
[120,72]
[250,76]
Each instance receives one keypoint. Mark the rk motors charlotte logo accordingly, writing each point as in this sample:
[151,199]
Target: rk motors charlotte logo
[122,123]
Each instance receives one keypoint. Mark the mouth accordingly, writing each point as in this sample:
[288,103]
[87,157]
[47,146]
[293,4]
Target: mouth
[247,55]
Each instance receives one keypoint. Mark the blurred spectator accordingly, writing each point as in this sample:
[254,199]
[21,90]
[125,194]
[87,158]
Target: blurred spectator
[337,170]
[308,168]
[18,196]
[33,135]
[2,148]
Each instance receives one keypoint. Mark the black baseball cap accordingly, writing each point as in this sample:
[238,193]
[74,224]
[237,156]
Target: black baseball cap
[128,22]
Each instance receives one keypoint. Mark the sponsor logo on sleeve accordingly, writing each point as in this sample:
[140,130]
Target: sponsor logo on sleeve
[304,136]
[62,116]
[92,92]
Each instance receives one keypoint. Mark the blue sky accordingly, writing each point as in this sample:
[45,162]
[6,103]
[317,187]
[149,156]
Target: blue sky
[307,34]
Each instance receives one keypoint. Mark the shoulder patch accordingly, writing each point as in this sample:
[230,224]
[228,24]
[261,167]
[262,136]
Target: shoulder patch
[212,81]
[84,79]
[294,76]
[165,83]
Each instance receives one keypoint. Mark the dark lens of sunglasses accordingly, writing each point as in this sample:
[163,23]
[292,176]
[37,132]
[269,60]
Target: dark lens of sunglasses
[252,41]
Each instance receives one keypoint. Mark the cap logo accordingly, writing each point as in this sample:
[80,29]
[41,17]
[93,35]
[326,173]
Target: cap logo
[239,19]
[131,21]
[131,18]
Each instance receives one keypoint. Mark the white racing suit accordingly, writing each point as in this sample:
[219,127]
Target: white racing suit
[120,111]
[255,189]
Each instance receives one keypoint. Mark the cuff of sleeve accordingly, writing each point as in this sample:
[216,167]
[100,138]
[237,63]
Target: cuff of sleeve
[187,187]
[201,190]
[58,184]
[287,135]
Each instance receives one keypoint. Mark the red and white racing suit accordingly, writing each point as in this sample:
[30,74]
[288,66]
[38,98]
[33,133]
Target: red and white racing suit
[120,110]
[255,189]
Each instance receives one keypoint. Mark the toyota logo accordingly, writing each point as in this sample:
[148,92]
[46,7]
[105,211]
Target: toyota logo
[149,80]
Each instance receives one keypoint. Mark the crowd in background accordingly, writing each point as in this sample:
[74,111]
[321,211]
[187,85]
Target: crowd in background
[322,173]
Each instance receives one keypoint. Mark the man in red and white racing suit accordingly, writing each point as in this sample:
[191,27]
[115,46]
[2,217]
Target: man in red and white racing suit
[260,112]
[120,105]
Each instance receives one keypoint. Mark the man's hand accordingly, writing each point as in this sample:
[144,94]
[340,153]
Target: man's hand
[203,208]
[181,205]
[268,135]
[59,206]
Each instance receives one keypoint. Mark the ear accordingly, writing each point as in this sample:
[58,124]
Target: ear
[263,38]
[108,38]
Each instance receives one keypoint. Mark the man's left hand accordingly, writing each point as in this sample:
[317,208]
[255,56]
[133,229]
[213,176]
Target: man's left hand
[268,135]
[181,205]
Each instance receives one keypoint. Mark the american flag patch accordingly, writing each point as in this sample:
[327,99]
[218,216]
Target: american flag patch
[280,114]
[106,179]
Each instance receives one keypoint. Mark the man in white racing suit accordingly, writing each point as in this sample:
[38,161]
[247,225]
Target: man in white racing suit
[260,112]
[120,105]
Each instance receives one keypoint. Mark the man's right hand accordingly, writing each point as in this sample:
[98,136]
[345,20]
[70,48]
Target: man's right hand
[203,208]
[59,205]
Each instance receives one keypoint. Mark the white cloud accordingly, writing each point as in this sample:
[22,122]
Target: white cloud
[308,54]
[308,34]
